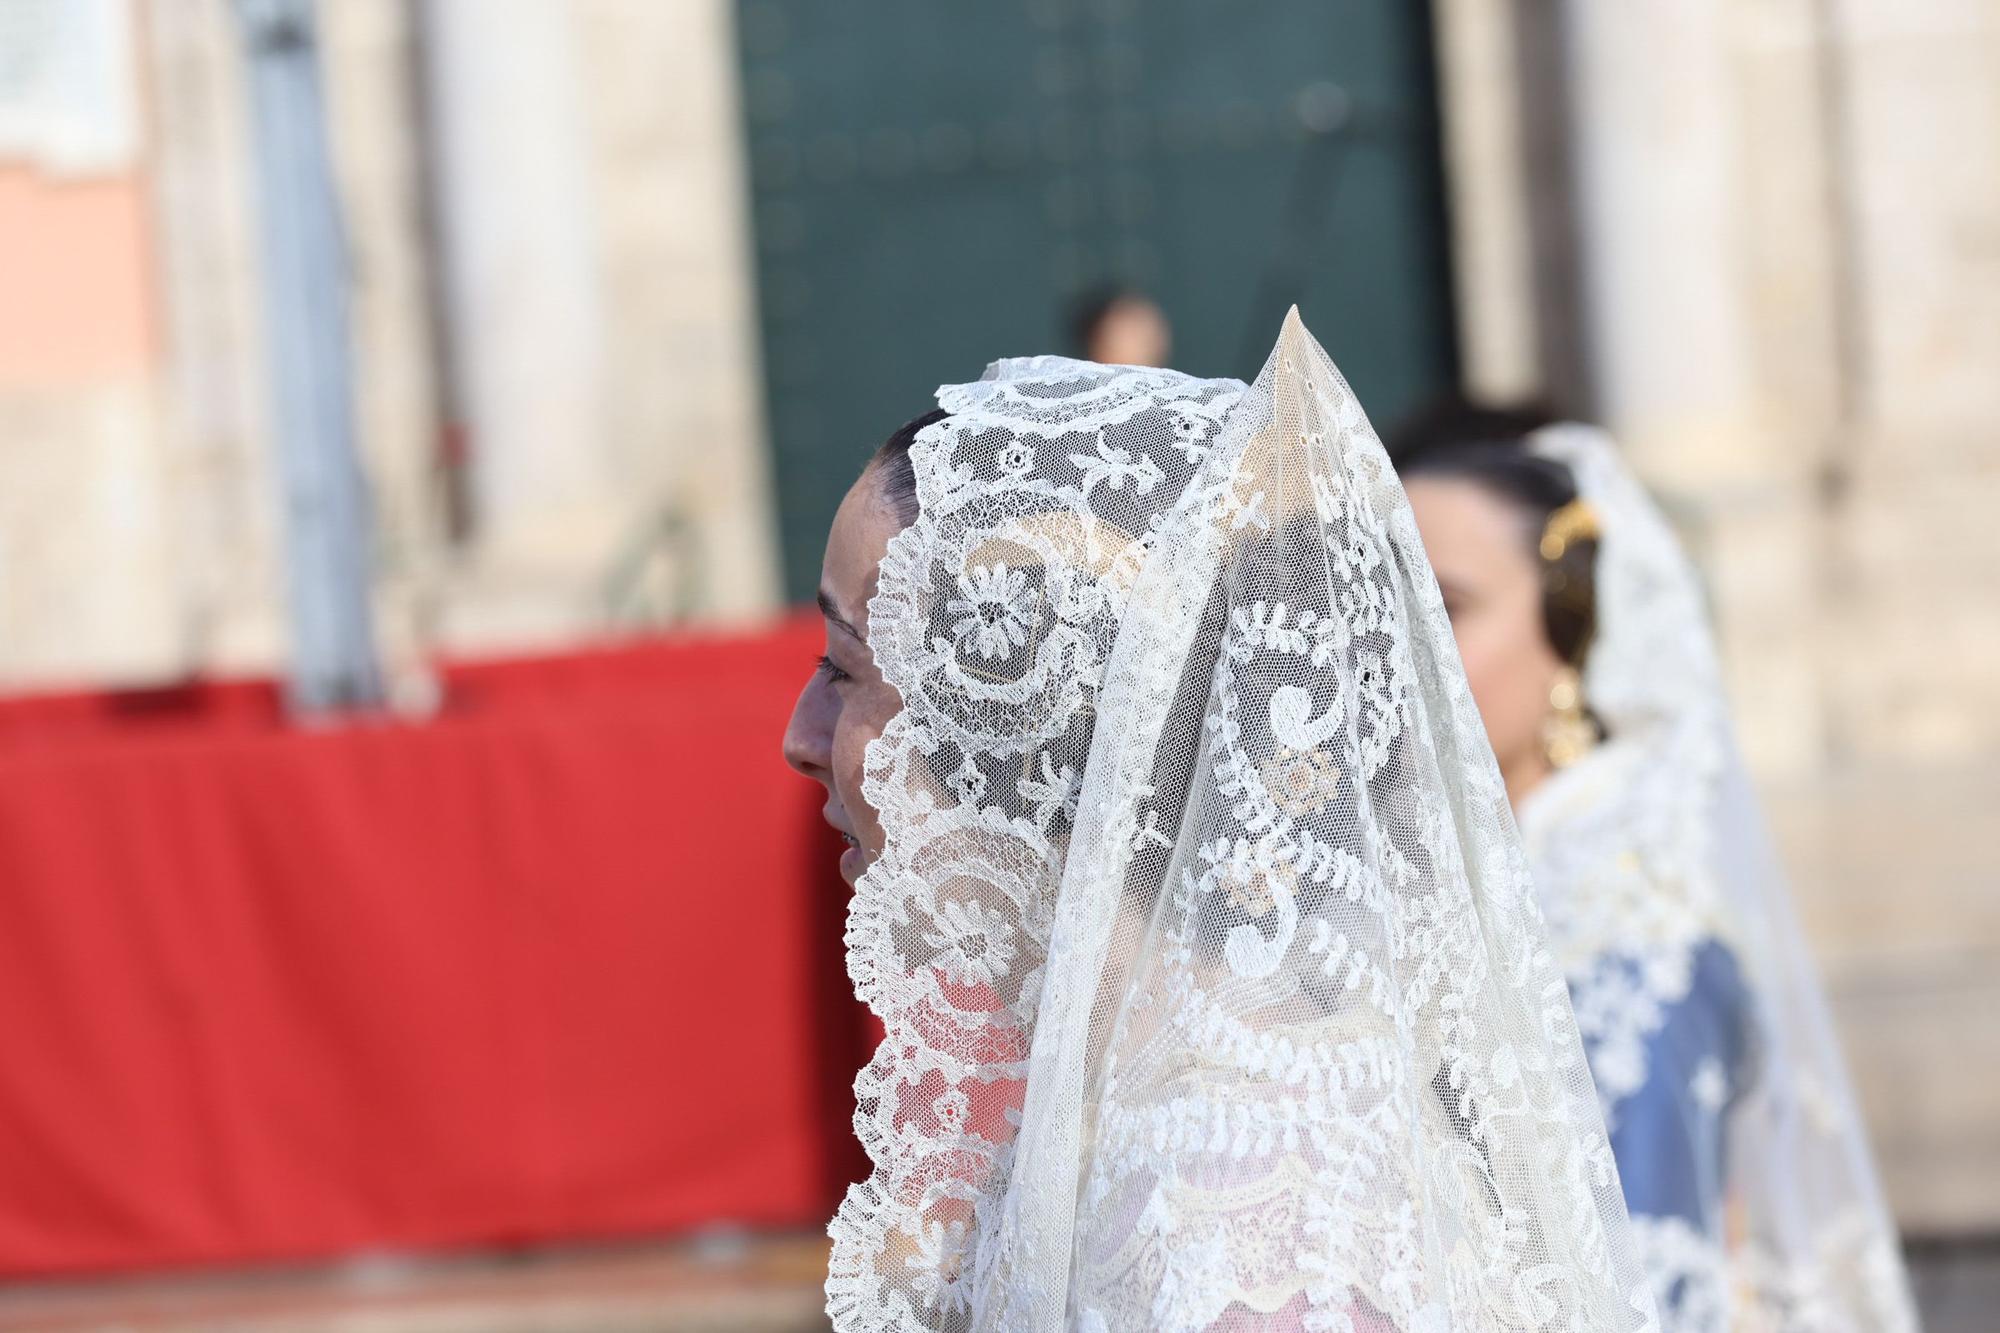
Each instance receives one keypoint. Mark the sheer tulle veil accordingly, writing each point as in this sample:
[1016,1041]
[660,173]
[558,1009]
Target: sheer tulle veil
[1215,990]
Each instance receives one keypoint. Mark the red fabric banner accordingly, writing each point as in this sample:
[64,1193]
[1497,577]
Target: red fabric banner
[563,962]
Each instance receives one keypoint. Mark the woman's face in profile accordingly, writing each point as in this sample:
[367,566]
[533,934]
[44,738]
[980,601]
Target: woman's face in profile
[1492,589]
[846,703]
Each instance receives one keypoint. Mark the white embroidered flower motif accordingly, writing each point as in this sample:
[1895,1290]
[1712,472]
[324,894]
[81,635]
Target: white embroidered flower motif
[1075,594]
[1688,1270]
[1053,793]
[993,609]
[1251,890]
[952,1108]
[1709,1086]
[1615,1015]
[969,781]
[973,942]
[1191,432]
[1114,467]
[938,1261]
[1262,625]
[1148,832]
[1824,1107]
[1301,781]
[1016,459]
[1246,512]
[1259,882]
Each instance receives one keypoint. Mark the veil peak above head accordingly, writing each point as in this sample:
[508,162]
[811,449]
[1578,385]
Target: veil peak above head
[1213,989]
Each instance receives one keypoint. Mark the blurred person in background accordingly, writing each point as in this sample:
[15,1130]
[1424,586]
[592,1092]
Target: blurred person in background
[1582,630]
[1214,993]
[1121,326]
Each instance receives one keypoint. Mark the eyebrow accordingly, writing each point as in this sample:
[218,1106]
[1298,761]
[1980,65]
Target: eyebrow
[833,616]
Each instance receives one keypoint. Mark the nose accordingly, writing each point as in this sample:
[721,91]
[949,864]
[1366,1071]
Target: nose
[808,744]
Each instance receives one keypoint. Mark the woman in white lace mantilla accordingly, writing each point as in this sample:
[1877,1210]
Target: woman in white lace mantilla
[1186,888]
[1581,626]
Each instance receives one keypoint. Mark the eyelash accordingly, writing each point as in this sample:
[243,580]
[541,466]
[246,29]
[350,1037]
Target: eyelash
[825,666]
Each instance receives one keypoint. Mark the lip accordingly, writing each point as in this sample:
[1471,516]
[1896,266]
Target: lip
[826,814]
[852,859]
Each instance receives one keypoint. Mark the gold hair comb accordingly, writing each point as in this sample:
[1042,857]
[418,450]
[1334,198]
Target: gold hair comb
[1574,522]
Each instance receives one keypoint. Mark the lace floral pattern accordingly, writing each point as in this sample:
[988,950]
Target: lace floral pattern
[1627,905]
[1689,1272]
[1705,1285]
[1215,994]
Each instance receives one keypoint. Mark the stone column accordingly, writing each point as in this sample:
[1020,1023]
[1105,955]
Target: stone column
[684,411]
[524,296]
[1677,123]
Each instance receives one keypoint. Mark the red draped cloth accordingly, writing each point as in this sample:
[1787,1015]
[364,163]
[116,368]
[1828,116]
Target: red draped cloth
[563,962]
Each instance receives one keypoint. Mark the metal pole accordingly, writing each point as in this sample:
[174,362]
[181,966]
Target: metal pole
[325,508]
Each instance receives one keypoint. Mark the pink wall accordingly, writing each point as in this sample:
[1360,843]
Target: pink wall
[76,279]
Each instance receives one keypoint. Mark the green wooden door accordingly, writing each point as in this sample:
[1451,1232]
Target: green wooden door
[934,183]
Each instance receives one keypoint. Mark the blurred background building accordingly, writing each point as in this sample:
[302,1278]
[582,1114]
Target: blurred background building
[635,284]
[554,359]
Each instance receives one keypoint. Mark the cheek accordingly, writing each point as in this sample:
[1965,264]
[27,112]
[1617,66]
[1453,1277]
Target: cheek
[862,719]
[1510,670]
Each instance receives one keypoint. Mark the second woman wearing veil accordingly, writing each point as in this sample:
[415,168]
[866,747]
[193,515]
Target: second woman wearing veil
[1581,626]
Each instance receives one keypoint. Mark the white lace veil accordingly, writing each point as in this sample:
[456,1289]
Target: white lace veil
[1214,989]
[1745,1165]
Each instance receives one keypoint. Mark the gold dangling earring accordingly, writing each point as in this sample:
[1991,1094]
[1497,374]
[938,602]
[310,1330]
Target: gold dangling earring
[1567,732]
